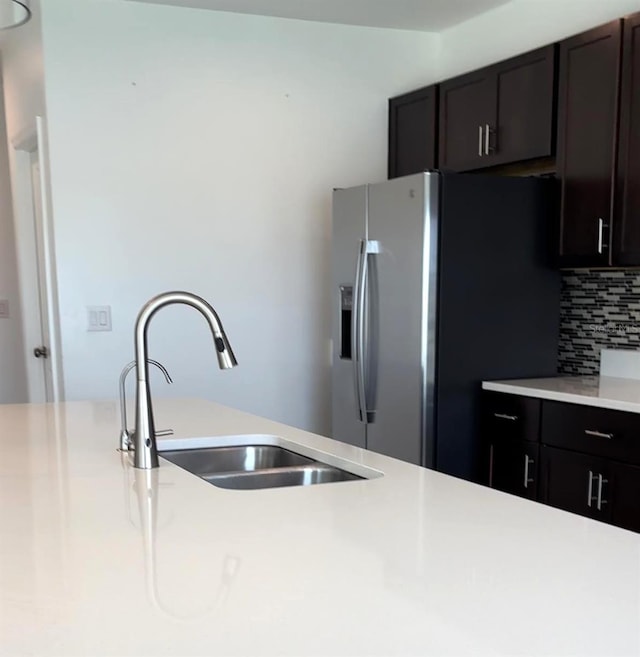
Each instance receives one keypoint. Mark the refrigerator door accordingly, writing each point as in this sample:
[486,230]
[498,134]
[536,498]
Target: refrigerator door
[403,224]
[349,230]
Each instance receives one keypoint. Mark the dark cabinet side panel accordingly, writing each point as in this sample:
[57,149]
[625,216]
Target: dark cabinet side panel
[627,227]
[412,132]
[587,120]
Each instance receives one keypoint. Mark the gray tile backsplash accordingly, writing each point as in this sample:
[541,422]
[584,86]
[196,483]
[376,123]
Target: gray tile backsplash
[597,309]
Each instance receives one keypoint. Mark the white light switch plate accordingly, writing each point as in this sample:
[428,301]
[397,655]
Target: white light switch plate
[98,318]
[4,309]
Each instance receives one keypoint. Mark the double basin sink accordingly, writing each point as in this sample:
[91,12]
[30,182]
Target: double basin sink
[250,467]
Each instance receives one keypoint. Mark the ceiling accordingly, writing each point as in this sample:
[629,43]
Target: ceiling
[420,15]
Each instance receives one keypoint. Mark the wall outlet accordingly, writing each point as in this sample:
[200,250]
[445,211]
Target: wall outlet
[4,309]
[98,318]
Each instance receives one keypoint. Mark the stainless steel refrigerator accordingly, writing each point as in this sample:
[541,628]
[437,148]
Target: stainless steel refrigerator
[440,281]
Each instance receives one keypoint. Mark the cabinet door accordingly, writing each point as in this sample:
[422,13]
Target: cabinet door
[412,132]
[627,222]
[587,124]
[514,467]
[575,482]
[467,107]
[625,497]
[525,125]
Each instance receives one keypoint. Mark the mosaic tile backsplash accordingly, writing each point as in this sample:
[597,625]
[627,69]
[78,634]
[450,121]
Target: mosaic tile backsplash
[597,309]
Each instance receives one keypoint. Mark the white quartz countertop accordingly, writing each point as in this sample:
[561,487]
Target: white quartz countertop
[602,391]
[97,558]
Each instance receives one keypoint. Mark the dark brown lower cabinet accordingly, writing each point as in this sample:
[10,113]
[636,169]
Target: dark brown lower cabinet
[625,494]
[576,482]
[514,467]
[581,459]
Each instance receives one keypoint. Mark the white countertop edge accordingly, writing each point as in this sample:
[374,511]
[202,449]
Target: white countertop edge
[527,390]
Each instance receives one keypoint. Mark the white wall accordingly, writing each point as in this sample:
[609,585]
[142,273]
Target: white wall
[197,150]
[22,74]
[12,366]
[519,26]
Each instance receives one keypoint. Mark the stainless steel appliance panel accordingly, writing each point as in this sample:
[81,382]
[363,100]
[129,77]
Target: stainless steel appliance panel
[349,229]
[403,225]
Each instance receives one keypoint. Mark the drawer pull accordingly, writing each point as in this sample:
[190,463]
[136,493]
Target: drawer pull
[598,434]
[527,463]
[504,416]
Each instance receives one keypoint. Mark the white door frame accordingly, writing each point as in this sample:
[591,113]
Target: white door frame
[25,144]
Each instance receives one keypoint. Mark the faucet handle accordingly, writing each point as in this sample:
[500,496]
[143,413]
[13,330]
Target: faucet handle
[164,432]
[126,443]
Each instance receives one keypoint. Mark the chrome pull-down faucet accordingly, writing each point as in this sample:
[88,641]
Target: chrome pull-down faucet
[125,434]
[144,438]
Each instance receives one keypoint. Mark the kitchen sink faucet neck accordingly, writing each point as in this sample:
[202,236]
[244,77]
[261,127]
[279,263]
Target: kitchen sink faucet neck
[144,438]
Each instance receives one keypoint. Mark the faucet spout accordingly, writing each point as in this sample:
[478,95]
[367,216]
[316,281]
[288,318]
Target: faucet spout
[145,448]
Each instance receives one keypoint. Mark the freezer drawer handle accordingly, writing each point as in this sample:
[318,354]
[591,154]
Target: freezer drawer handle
[504,416]
[598,434]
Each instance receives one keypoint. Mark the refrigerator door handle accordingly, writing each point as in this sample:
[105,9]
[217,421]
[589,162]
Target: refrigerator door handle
[359,332]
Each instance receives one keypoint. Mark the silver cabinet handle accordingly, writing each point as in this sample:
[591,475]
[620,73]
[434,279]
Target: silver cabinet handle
[527,462]
[590,490]
[600,501]
[600,235]
[598,434]
[504,416]
[487,133]
[480,140]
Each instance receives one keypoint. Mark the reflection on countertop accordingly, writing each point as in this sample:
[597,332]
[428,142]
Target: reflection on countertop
[99,559]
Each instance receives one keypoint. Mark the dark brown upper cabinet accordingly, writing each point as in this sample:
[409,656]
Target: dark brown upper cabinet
[587,128]
[626,234]
[499,115]
[412,132]
[467,107]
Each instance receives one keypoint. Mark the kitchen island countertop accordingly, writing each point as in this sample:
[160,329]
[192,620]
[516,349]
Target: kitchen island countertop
[98,558]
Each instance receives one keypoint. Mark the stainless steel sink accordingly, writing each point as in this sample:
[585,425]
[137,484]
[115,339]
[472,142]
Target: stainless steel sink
[242,458]
[247,467]
[297,475]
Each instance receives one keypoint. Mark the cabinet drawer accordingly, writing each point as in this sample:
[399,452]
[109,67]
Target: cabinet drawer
[596,431]
[510,416]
